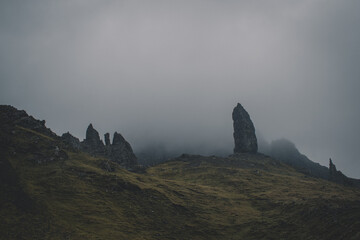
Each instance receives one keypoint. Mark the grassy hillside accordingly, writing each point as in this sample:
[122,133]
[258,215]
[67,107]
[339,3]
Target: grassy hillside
[49,191]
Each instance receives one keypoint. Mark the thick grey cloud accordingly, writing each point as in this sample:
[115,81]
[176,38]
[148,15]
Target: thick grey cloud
[171,71]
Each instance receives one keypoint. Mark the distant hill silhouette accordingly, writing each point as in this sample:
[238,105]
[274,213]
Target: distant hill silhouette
[285,151]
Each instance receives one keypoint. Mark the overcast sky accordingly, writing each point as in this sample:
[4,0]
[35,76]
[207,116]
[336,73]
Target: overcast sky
[171,71]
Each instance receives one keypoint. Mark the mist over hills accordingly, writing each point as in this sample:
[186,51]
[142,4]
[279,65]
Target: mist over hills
[155,153]
[283,150]
[159,69]
[54,187]
[286,151]
[138,141]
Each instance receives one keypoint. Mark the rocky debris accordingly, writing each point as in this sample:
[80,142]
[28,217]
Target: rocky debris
[71,141]
[92,143]
[47,155]
[107,166]
[107,139]
[60,154]
[121,152]
[244,131]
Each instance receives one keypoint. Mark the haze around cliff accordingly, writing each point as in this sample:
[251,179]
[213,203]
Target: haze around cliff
[169,73]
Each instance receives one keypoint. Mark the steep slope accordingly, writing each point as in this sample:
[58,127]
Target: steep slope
[286,151]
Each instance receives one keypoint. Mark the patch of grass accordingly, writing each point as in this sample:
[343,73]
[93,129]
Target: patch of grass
[193,197]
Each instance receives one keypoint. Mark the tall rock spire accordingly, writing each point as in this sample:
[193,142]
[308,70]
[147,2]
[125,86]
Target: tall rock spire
[92,143]
[107,139]
[244,131]
[121,151]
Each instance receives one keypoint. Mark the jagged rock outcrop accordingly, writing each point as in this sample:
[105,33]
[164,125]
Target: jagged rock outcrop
[118,151]
[11,117]
[244,131]
[121,151]
[337,176]
[17,124]
[12,120]
[92,143]
[71,141]
[332,168]
[107,139]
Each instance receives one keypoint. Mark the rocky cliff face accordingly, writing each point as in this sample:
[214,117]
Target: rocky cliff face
[92,143]
[118,151]
[71,141]
[10,117]
[17,124]
[121,151]
[244,131]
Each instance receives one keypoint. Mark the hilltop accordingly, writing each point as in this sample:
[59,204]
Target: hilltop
[51,190]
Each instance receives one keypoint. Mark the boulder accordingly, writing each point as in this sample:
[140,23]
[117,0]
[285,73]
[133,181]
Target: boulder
[244,131]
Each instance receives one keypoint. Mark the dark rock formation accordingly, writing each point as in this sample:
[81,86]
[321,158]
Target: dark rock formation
[45,156]
[92,136]
[13,120]
[107,139]
[338,176]
[332,168]
[71,141]
[92,143]
[11,117]
[244,131]
[121,152]
[118,139]
[42,146]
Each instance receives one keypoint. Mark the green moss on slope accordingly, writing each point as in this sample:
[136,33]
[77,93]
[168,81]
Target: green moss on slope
[192,197]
